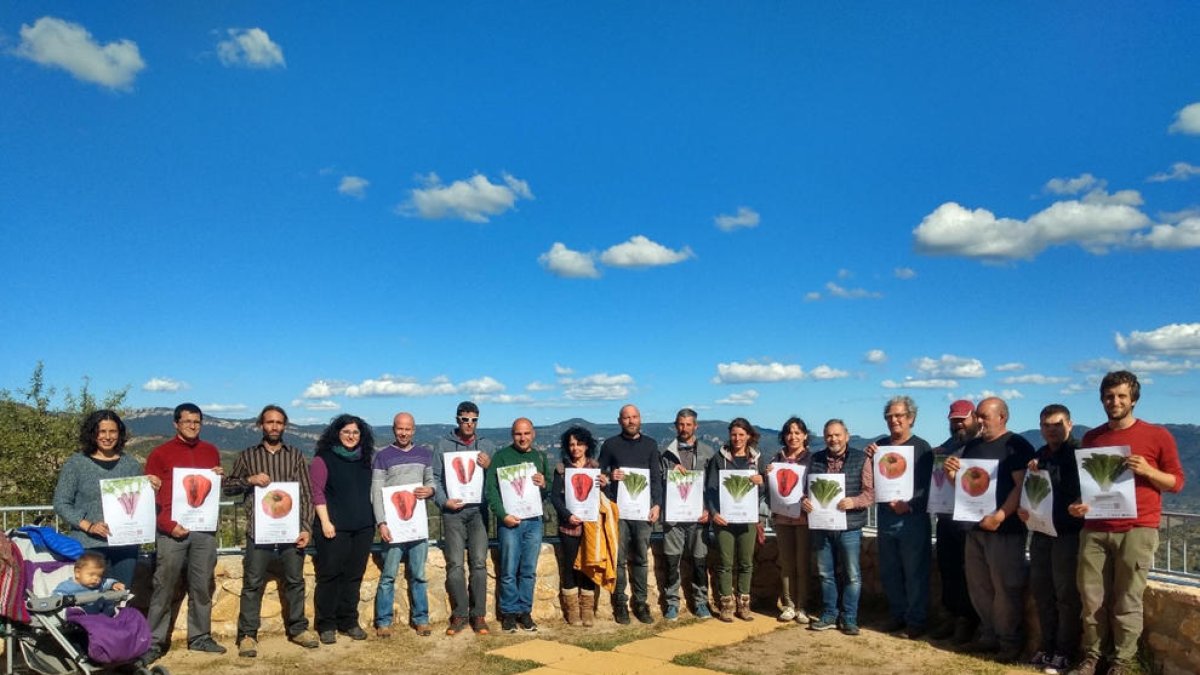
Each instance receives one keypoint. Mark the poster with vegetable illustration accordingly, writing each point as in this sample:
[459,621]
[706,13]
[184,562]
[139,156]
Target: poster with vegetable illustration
[941,488]
[521,497]
[1037,497]
[633,494]
[464,477]
[738,496]
[277,513]
[128,505]
[405,514]
[825,490]
[583,497]
[784,482]
[195,498]
[975,489]
[1105,483]
[893,473]
[684,498]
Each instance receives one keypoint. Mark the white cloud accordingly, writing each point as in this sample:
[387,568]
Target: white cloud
[875,356]
[1006,394]
[812,296]
[482,385]
[394,385]
[837,291]
[215,408]
[1072,186]
[315,405]
[354,186]
[1102,365]
[911,383]
[747,397]
[1181,339]
[1154,364]
[1187,120]
[642,252]
[1184,235]
[504,399]
[163,384]
[597,387]
[1009,367]
[904,273]
[540,386]
[56,43]
[824,372]
[250,48]
[325,389]
[1179,171]
[733,373]
[1033,378]
[1072,389]
[562,371]
[474,199]
[745,217]
[562,261]
[950,365]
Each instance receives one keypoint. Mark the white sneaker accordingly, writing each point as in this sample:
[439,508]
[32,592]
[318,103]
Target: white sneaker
[788,614]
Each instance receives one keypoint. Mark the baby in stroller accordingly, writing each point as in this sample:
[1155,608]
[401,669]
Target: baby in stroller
[89,576]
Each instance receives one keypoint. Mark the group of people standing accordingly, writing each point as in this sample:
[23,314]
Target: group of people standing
[1087,581]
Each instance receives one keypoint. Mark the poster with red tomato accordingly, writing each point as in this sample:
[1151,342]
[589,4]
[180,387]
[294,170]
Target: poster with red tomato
[582,493]
[786,484]
[404,513]
[975,489]
[277,513]
[464,476]
[195,498]
[893,473]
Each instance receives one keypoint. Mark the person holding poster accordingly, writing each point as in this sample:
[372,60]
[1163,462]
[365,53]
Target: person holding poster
[464,527]
[735,541]
[401,463]
[685,453]
[995,546]
[841,548]
[1112,602]
[178,548]
[578,591]
[271,461]
[630,449]
[951,539]
[791,528]
[77,496]
[903,525]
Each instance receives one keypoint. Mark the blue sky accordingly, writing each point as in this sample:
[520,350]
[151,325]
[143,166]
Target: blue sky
[757,209]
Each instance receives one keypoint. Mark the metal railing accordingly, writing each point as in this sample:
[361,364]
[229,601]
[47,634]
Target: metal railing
[1178,534]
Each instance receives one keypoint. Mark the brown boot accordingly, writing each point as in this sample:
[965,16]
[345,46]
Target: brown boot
[743,608]
[587,607]
[570,601]
[727,604]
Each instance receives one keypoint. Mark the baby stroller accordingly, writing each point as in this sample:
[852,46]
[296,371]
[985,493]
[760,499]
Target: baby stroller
[53,636]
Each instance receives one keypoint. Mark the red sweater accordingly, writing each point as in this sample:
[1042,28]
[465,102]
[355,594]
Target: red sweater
[1158,447]
[162,462]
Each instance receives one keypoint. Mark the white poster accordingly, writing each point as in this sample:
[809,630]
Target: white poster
[1105,483]
[633,494]
[1037,497]
[893,473]
[128,505]
[684,498]
[825,490]
[941,488]
[277,513]
[582,494]
[520,496]
[195,498]
[464,477]
[784,482]
[975,489]
[404,513]
[738,496]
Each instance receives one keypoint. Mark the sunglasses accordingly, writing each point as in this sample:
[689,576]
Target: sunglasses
[468,420]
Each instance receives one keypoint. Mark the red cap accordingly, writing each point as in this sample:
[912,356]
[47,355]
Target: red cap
[960,409]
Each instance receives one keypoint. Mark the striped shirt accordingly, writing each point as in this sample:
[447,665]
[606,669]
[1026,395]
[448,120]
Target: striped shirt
[284,465]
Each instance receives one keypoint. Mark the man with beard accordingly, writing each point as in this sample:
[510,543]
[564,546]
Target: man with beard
[272,461]
[951,539]
[1115,554]
[686,453]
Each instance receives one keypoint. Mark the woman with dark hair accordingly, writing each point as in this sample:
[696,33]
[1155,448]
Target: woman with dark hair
[77,499]
[791,529]
[345,524]
[578,589]
[735,541]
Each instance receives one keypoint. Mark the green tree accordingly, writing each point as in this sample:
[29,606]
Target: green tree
[36,438]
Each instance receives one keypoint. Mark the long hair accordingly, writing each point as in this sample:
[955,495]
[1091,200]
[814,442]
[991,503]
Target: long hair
[329,437]
[744,424]
[583,436]
[91,427]
[793,421]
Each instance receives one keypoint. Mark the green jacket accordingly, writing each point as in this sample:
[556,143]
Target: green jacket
[509,456]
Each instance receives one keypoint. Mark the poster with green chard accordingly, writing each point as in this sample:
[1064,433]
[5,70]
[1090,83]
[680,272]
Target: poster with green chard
[633,493]
[1106,484]
[825,490]
[1037,499]
[738,495]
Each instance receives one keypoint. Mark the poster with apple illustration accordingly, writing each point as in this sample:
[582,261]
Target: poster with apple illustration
[633,494]
[684,498]
[582,493]
[893,473]
[785,483]
[1105,483]
[520,496]
[1037,498]
[277,513]
[975,489]
[464,476]
[825,490]
[128,505]
[195,498]
[404,514]
[941,488]
[738,496]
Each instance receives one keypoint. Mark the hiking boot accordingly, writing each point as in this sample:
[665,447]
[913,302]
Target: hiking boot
[457,625]
[206,644]
[328,637]
[508,623]
[570,602]
[526,622]
[383,632]
[587,607]
[307,639]
[727,607]
[621,615]
[642,612]
[1086,666]
[354,633]
[743,608]
[479,625]
[423,629]
[247,647]
[850,629]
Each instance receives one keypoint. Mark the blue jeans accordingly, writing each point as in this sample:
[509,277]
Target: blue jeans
[519,549]
[834,550]
[414,572]
[904,557]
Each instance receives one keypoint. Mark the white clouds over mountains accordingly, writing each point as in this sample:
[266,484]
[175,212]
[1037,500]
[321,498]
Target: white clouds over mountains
[774,371]
[56,43]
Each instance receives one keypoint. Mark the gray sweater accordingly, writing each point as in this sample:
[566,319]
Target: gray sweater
[77,495]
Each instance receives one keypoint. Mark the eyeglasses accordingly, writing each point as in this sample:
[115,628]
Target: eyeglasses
[351,432]
[468,420]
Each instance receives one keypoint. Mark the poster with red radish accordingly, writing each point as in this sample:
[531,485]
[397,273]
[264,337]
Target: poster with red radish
[975,489]
[582,494]
[464,476]
[128,505]
[405,514]
[941,488]
[195,498]
[786,485]
[277,513]
[684,498]
[893,473]
[520,496]
[633,494]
